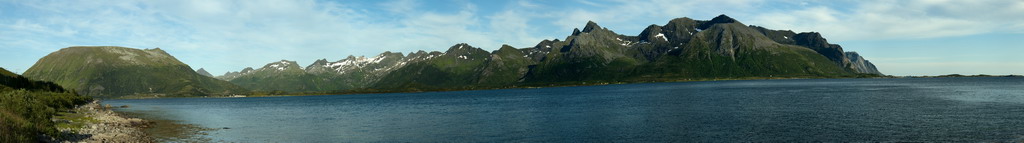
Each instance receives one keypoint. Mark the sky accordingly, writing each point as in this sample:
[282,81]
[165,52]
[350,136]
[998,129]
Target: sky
[901,37]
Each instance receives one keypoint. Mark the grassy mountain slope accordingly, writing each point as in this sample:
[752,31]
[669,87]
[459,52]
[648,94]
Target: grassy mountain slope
[110,72]
[457,68]
[506,66]
[286,76]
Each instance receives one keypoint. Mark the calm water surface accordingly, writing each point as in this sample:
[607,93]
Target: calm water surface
[923,109]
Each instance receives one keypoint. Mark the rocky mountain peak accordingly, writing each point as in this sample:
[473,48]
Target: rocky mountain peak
[318,66]
[391,54]
[719,19]
[861,65]
[814,41]
[202,71]
[591,26]
[810,39]
[723,19]
[651,34]
[546,44]
[506,47]
[461,48]
[320,62]
[281,65]
[351,57]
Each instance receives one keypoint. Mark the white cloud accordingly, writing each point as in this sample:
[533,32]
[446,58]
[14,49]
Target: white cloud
[913,19]
[512,27]
[630,16]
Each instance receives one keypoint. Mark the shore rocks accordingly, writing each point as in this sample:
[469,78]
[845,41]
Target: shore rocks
[109,127]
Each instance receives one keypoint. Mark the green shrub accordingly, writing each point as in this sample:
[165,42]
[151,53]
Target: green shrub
[25,114]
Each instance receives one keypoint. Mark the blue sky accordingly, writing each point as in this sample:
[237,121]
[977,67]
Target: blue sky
[906,37]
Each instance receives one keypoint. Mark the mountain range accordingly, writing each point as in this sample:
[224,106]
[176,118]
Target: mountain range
[681,50]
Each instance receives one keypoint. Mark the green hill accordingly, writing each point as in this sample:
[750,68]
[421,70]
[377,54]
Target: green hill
[110,72]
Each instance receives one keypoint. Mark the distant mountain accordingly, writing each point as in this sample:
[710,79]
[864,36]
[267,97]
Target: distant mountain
[860,64]
[460,65]
[354,72]
[202,71]
[282,75]
[110,72]
[349,73]
[682,49]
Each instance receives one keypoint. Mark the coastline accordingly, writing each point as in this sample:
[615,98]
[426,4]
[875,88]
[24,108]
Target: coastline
[93,122]
[525,86]
[566,84]
[576,84]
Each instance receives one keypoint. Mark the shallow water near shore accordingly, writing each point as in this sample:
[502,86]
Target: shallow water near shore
[802,110]
[161,129]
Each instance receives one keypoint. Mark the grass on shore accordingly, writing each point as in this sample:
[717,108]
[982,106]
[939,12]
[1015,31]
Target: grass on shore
[73,121]
[25,115]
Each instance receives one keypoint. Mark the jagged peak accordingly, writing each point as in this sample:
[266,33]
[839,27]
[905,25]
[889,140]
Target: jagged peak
[281,65]
[460,47]
[545,44]
[283,62]
[350,57]
[680,20]
[652,33]
[417,53]
[810,39]
[320,62]
[651,28]
[591,26]
[723,19]
[247,69]
[852,53]
[506,47]
[202,71]
[389,54]
[576,31]
[717,20]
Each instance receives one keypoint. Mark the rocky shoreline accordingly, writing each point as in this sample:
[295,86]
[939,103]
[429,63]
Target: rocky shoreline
[98,123]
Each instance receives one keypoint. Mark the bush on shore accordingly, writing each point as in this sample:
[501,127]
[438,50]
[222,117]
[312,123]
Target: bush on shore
[25,115]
